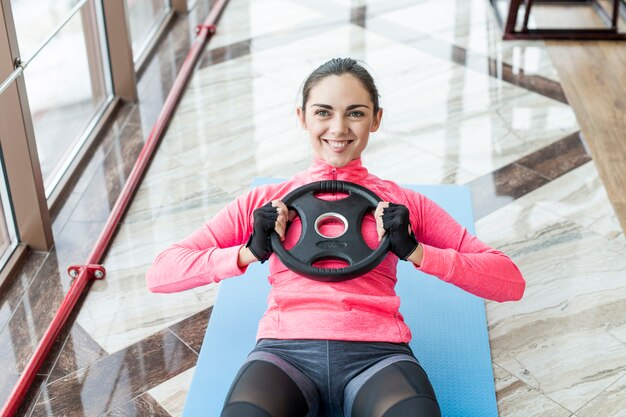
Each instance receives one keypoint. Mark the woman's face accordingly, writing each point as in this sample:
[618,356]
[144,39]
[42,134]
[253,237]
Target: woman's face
[339,117]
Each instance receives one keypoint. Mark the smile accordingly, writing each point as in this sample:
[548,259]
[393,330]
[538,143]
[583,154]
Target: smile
[337,144]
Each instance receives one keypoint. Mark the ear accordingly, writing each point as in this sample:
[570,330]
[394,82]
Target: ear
[377,120]
[300,114]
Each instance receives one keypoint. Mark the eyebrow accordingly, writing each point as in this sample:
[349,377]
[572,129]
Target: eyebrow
[350,107]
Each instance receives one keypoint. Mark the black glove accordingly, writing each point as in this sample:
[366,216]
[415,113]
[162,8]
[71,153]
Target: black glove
[396,224]
[260,243]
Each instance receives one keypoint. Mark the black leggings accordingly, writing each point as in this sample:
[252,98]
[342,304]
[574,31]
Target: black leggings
[401,389]
[262,389]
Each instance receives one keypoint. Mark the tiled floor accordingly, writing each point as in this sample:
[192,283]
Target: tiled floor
[460,107]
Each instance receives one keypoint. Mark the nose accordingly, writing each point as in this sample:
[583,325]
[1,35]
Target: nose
[338,126]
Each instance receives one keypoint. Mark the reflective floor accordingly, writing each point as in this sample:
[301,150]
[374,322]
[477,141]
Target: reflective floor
[460,106]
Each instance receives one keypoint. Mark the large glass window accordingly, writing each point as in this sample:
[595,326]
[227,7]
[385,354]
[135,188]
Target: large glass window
[67,85]
[35,19]
[8,235]
[145,17]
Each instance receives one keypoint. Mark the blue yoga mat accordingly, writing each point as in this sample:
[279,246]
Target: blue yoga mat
[449,329]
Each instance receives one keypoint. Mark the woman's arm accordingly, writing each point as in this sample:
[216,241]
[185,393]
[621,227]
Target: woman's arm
[213,252]
[447,250]
[217,250]
[417,255]
[209,255]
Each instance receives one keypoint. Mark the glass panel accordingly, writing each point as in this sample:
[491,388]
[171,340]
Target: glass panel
[8,235]
[36,19]
[67,90]
[145,18]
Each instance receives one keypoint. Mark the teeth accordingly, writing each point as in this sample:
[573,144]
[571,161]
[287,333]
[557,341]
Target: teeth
[338,144]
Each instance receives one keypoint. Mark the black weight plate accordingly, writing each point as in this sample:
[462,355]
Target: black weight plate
[349,247]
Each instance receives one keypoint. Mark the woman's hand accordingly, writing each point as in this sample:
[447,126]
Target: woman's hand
[394,219]
[267,219]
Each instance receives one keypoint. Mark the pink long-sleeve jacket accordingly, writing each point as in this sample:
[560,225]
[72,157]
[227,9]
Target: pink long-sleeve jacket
[361,309]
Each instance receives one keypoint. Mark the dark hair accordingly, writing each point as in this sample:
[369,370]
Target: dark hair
[340,66]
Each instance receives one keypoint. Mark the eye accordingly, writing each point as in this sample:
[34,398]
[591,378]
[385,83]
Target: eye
[322,113]
[356,114]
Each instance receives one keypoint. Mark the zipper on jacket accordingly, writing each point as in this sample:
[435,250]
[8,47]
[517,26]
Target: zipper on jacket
[334,171]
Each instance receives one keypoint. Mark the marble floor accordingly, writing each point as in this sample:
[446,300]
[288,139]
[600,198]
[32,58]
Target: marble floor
[461,107]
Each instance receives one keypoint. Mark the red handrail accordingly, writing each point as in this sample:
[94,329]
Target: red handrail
[91,270]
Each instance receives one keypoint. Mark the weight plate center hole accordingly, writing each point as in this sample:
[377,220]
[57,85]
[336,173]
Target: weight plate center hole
[331,225]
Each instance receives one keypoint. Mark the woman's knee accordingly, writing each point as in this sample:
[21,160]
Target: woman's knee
[416,406]
[399,389]
[262,389]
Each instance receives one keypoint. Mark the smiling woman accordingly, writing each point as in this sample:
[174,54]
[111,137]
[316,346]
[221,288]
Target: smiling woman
[339,110]
[330,346]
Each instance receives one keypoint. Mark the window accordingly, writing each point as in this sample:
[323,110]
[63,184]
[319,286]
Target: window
[67,85]
[8,233]
[145,17]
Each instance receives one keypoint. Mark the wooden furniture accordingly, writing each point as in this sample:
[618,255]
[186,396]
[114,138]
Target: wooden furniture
[609,32]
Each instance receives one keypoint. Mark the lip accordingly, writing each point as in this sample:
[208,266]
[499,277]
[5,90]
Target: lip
[335,149]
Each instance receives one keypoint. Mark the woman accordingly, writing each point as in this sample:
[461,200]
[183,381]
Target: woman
[340,348]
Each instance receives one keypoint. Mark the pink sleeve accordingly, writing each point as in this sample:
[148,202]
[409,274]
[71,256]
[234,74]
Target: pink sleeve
[209,254]
[454,255]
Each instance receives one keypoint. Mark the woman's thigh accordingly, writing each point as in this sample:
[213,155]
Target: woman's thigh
[400,389]
[262,389]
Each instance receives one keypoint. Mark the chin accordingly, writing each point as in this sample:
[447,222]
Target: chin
[337,162]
